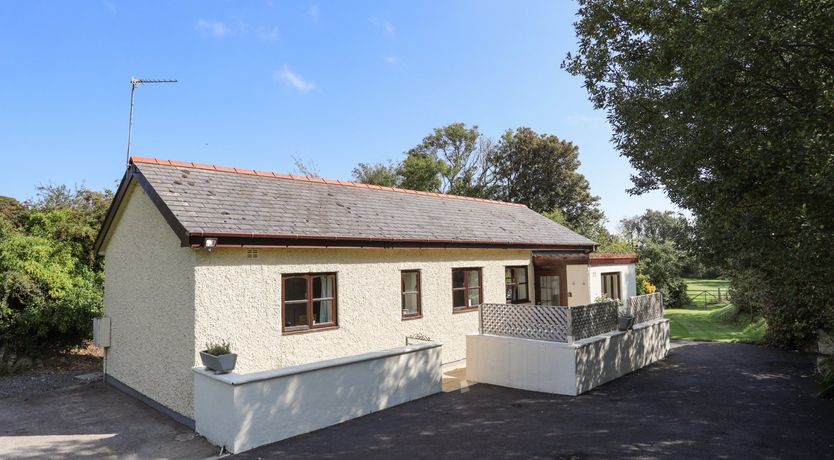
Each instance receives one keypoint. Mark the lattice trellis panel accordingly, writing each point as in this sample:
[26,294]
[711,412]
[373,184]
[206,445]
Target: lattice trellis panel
[646,307]
[539,322]
[593,319]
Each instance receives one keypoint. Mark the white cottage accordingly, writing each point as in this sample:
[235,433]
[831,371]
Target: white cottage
[293,270]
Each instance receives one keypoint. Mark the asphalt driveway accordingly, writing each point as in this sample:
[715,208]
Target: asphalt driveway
[705,400]
[92,421]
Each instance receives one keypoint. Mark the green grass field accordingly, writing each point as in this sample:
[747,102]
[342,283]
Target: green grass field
[695,288]
[714,321]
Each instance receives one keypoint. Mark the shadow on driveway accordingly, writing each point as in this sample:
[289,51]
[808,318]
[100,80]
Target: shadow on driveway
[703,400]
[93,421]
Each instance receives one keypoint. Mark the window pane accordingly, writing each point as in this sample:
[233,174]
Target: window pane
[457,278]
[511,294]
[474,296]
[410,304]
[522,291]
[410,281]
[322,311]
[509,277]
[521,275]
[474,276]
[295,289]
[295,314]
[323,286]
[459,297]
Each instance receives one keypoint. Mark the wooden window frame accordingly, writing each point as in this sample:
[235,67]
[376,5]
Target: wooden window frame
[619,284]
[526,298]
[310,326]
[466,288]
[419,313]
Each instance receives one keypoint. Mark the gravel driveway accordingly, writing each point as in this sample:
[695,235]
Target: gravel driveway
[36,382]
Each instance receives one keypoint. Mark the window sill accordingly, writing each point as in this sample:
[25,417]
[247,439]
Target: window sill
[410,317]
[456,310]
[518,302]
[312,329]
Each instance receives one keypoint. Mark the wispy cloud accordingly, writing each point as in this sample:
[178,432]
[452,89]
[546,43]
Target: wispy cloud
[294,80]
[313,12]
[215,28]
[384,24]
[110,6]
[268,34]
[391,60]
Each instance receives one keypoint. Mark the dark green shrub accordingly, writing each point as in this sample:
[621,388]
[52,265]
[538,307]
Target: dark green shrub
[674,294]
[47,299]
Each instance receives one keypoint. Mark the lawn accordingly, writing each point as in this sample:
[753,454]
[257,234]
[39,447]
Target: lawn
[713,321]
[715,288]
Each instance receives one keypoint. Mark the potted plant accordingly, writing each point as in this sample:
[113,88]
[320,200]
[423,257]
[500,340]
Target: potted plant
[625,322]
[219,357]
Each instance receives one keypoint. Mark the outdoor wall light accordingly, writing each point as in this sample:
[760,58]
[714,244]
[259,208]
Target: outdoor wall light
[210,243]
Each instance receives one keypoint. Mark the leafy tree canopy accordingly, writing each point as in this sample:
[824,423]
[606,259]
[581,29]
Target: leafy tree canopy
[51,284]
[537,170]
[729,107]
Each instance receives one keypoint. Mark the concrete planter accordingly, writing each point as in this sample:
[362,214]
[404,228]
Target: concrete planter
[221,364]
[625,322]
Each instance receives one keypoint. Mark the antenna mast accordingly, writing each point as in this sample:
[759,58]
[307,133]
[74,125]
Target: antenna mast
[135,83]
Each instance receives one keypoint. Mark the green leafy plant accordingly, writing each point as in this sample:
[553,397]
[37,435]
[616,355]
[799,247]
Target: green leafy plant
[218,348]
[727,107]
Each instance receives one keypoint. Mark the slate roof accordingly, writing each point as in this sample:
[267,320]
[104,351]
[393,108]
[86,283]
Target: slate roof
[240,206]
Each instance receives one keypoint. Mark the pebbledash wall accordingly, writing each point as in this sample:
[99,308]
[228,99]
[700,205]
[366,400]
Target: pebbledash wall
[149,297]
[166,302]
[585,282]
[628,279]
[239,299]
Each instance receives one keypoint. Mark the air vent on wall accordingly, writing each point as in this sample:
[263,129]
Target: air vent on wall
[252,254]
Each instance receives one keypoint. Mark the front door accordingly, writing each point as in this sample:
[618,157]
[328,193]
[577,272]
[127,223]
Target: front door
[551,286]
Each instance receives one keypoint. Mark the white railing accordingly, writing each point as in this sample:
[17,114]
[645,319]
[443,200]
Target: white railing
[545,322]
[541,322]
[645,308]
[593,319]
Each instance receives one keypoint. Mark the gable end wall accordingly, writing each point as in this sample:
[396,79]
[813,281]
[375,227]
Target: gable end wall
[149,296]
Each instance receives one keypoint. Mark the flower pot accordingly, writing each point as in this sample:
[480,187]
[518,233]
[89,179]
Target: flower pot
[220,364]
[625,323]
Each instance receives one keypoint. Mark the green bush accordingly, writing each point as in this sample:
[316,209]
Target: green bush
[674,294]
[218,349]
[51,283]
[47,299]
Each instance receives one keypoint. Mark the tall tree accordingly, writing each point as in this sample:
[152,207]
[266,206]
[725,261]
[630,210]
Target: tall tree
[376,174]
[540,171]
[729,107]
[460,155]
[658,226]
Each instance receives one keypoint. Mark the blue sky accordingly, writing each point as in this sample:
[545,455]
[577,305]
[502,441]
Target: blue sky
[335,83]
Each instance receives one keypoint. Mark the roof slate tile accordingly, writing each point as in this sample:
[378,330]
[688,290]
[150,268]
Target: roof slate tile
[215,199]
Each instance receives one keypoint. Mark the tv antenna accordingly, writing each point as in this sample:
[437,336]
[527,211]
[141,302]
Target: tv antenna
[135,83]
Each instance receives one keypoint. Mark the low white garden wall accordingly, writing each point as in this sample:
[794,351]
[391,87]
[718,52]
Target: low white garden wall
[564,368]
[244,411]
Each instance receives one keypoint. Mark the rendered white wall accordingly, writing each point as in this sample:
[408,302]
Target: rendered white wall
[628,279]
[241,412]
[239,300]
[578,285]
[535,365]
[149,297]
[559,368]
[617,354]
